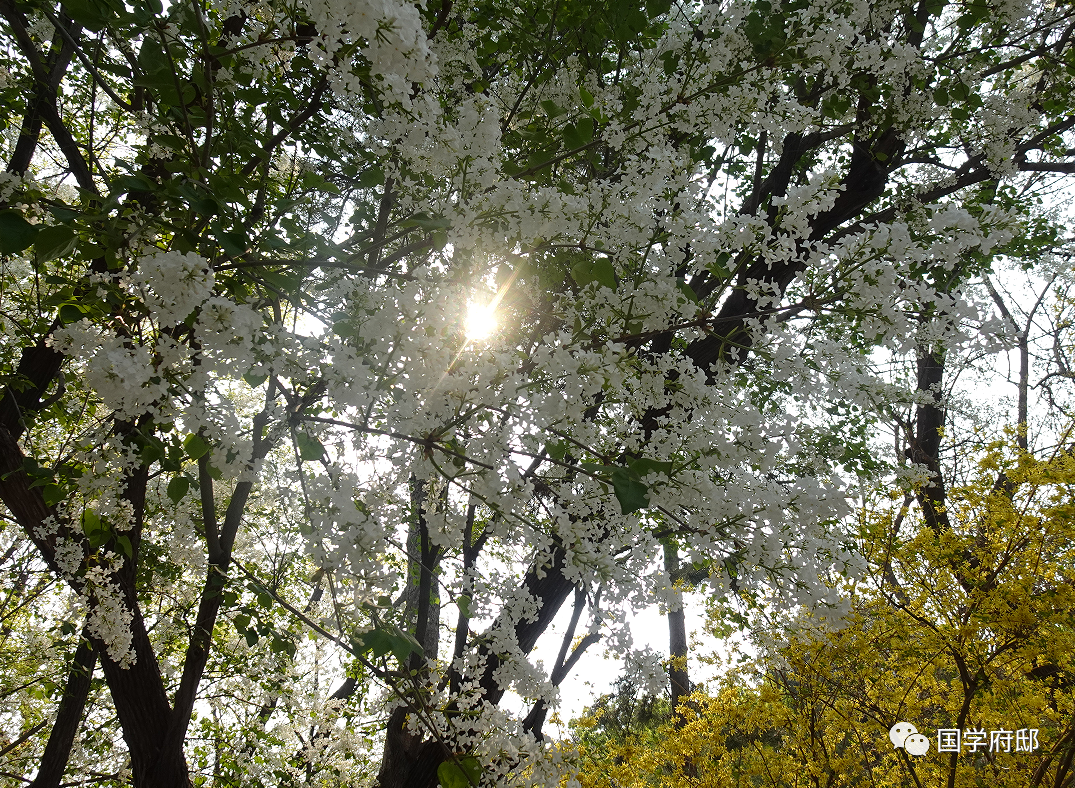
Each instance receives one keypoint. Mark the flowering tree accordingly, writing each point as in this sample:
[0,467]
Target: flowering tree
[244,401]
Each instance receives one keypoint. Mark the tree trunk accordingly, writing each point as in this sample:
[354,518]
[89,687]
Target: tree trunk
[926,444]
[58,748]
[679,683]
[409,760]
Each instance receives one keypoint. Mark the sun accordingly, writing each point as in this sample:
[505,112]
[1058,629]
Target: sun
[481,320]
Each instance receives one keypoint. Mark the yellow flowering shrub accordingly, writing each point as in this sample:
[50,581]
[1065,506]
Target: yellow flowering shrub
[969,629]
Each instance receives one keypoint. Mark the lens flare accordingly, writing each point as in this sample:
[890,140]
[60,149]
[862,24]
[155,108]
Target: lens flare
[481,321]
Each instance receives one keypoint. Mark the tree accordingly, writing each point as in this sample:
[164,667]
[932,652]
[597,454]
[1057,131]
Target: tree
[240,242]
[967,629]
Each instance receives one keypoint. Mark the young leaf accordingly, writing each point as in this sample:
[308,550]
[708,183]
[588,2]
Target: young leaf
[177,488]
[551,109]
[642,466]
[630,491]
[463,601]
[15,233]
[464,772]
[53,242]
[195,446]
[310,448]
[600,271]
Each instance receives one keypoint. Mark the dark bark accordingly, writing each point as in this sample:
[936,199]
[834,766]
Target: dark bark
[551,591]
[58,747]
[49,72]
[926,442]
[565,662]
[39,365]
[1022,339]
[865,181]
[144,713]
[41,107]
[471,548]
[409,760]
[172,763]
[422,602]
[137,690]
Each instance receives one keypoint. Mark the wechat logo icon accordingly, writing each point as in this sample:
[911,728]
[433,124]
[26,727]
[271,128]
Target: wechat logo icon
[906,735]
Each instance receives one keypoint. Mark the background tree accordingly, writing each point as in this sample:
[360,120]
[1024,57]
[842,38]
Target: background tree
[239,247]
[964,629]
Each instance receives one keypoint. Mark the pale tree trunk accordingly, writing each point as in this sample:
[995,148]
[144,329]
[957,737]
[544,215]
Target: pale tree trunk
[679,684]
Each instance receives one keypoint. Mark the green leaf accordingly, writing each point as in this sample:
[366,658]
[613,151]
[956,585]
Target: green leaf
[255,380]
[71,313]
[92,14]
[376,641]
[384,639]
[557,450]
[403,645]
[552,110]
[463,602]
[242,623]
[152,451]
[688,291]
[125,545]
[154,59]
[370,177]
[464,772]
[62,214]
[91,523]
[177,488]
[15,232]
[630,491]
[577,135]
[585,128]
[284,283]
[281,645]
[233,244]
[53,494]
[310,448]
[642,466]
[427,222]
[600,271]
[96,529]
[53,242]
[195,446]
[720,265]
[204,206]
